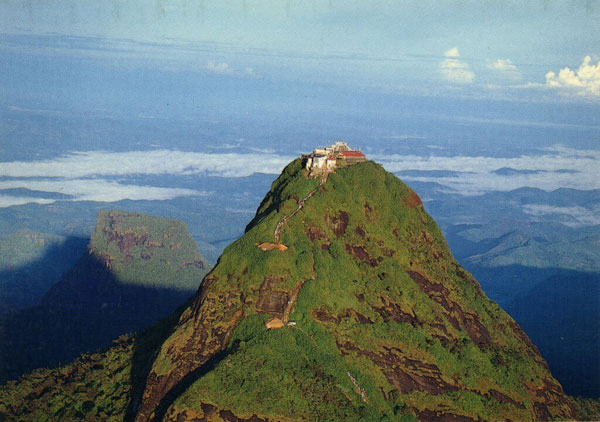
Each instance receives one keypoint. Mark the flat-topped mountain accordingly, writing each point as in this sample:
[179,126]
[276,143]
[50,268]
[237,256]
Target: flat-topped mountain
[341,301]
[136,251]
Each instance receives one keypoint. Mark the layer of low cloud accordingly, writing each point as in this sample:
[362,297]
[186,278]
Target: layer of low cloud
[583,81]
[475,175]
[102,176]
[574,216]
[454,70]
[104,163]
[97,190]
[10,200]
[84,176]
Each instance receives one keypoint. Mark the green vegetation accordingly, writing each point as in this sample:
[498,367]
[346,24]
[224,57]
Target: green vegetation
[381,298]
[149,251]
[587,409]
[285,373]
[139,270]
[384,324]
[94,388]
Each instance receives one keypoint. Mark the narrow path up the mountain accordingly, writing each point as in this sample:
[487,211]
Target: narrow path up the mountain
[277,233]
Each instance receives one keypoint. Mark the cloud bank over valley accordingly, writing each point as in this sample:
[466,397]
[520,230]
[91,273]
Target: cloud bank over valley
[104,176]
[100,176]
[553,168]
[106,163]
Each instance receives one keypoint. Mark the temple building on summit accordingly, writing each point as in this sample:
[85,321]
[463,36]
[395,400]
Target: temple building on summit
[329,158]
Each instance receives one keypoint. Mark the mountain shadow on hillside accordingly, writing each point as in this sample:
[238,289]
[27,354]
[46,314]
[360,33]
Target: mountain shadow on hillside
[505,284]
[558,309]
[22,286]
[560,315]
[85,311]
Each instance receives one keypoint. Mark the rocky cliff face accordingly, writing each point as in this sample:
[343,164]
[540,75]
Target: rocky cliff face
[145,250]
[359,312]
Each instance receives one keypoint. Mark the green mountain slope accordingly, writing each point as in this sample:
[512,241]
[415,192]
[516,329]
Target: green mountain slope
[94,388]
[340,302]
[378,321]
[138,269]
[143,250]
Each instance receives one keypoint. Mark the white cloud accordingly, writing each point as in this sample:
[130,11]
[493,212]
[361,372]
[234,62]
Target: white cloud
[240,211]
[506,67]
[583,81]
[475,174]
[104,163]
[33,110]
[97,190]
[224,69]
[502,64]
[454,70]
[453,52]
[219,67]
[82,175]
[576,216]
[9,200]
[403,137]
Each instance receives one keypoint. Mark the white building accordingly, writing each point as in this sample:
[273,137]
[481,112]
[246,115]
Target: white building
[329,158]
[319,161]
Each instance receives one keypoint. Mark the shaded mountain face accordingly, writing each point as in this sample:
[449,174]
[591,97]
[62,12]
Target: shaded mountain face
[342,302]
[561,316]
[30,263]
[138,269]
[547,276]
[94,388]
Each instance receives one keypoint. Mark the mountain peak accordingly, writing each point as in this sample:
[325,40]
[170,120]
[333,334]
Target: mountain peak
[375,319]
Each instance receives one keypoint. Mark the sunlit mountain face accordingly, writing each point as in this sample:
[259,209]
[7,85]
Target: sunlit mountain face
[191,112]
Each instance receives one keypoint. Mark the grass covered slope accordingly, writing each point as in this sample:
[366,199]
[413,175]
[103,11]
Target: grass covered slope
[379,321]
[96,387]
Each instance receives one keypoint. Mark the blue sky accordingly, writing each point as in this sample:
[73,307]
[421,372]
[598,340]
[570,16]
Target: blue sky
[476,48]
[101,99]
